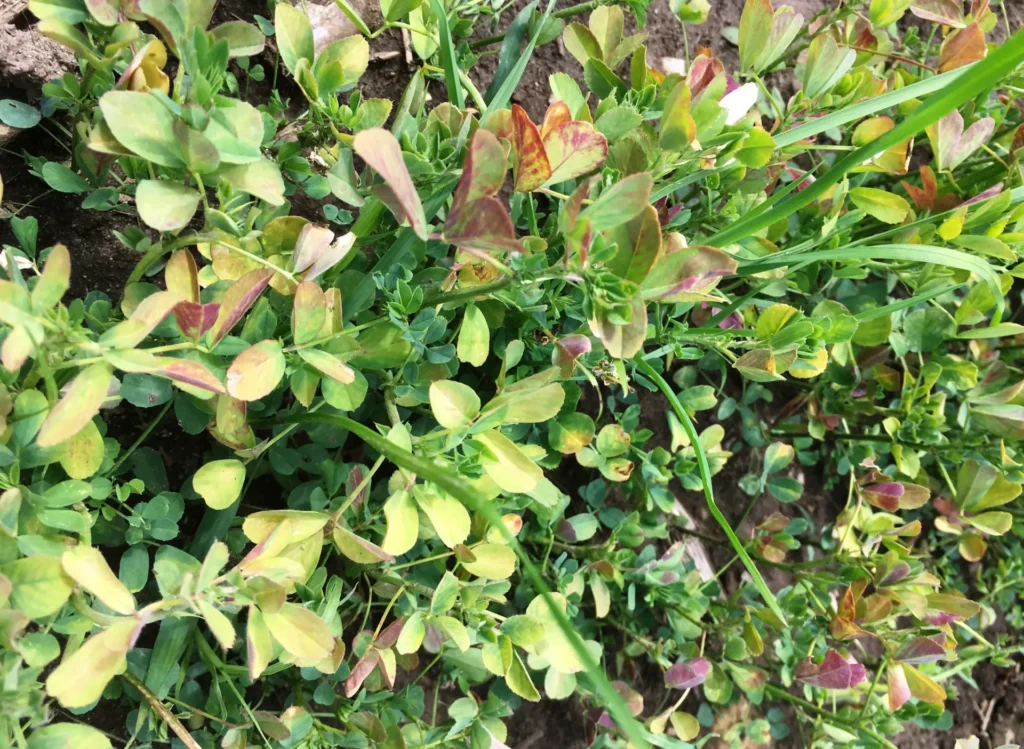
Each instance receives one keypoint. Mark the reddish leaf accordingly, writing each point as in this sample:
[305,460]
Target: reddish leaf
[574,149]
[191,373]
[532,168]
[194,319]
[363,668]
[686,274]
[483,225]
[688,674]
[567,350]
[237,300]
[557,114]
[389,635]
[381,151]
[312,242]
[947,12]
[899,690]
[834,672]
[483,172]
[962,48]
[923,650]
[884,496]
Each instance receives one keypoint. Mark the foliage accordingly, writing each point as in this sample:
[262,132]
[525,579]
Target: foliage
[446,439]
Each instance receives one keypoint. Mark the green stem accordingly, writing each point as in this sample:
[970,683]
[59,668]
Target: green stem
[142,437]
[705,475]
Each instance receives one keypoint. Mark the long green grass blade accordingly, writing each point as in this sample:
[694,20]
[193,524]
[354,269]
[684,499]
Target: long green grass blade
[984,75]
[353,16]
[510,48]
[913,253]
[504,94]
[709,495]
[451,483]
[887,309]
[867,107]
[456,95]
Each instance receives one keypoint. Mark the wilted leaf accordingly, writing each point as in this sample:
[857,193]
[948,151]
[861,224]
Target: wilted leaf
[255,372]
[87,567]
[81,402]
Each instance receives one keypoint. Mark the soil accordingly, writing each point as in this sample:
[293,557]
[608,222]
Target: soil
[102,263]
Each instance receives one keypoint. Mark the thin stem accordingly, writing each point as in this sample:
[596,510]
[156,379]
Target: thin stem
[142,437]
[161,709]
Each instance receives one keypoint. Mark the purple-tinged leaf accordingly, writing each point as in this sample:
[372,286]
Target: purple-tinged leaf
[237,300]
[884,496]
[686,274]
[834,672]
[899,690]
[389,635]
[923,650]
[194,319]
[378,148]
[567,350]
[191,373]
[688,674]
[363,668]
[359,550]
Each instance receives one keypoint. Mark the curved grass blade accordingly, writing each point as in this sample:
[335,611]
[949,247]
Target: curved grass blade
[451,72]
[354,17]
[709,495]
[451,483]
[510,48]
[914,253]
[984,75]
[504,94]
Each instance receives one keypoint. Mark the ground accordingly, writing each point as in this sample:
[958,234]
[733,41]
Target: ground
[102,263]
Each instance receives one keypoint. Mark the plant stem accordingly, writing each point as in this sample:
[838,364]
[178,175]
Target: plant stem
[142,437]
[161,709]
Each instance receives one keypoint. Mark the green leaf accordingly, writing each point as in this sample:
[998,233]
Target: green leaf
[165,205]
[449,517]
[756,148]
[619,203]
[451,71]
[455,630]
[784,488]
[412,634]
[261,179]
[219,624]
[219,482]
[402,523]
[83,454]
[519,681]
[39,586]
[507,465]
[381,150]
[18,114]
[778,456]
[493,561]
[474,337]
[523,630]
[63,179]
[993,523]
[143,125]
[926,329]
[294,35]
[453,404]
[445,594]
[885,206]
[244,39]
[68,736]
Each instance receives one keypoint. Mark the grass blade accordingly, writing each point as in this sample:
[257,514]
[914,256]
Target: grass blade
[709,495]
[913,253]
[876,312]
[451,483]
[510,48]
[868,106]
[984,75]
[451,71]
[354,17]
[508,87]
